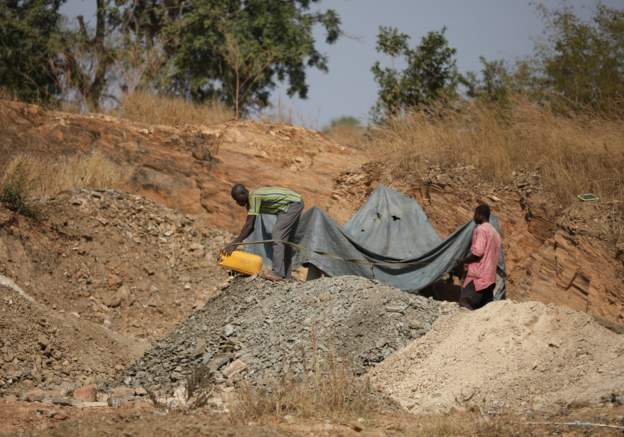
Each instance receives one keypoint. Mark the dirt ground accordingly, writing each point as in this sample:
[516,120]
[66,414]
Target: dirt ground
[32,419]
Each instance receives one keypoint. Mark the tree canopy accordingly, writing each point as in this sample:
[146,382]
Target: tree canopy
[429,75]
[236,51]
[29,32]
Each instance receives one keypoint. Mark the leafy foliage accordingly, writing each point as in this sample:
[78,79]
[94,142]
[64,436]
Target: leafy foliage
[583,62]
[345,121]
[579,66]
[234,51]
[29,30]
[430,72]
[15,190]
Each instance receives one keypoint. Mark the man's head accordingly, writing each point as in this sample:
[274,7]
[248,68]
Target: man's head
[240,194]
[482,214]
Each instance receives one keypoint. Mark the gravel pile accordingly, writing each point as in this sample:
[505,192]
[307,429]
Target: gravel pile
[255,329]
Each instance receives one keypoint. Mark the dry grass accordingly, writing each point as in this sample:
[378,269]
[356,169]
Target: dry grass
[327,388]
[572,154]
[171,111]
[352,136]
[36,177]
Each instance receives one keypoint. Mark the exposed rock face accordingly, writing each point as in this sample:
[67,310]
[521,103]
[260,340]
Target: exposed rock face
[190,168]
[576,266]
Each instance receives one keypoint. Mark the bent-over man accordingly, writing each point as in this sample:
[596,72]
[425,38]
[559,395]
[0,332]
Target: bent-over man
[485,249]
[282,202]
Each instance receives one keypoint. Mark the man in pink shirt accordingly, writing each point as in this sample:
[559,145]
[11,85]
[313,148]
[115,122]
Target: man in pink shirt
[478,287]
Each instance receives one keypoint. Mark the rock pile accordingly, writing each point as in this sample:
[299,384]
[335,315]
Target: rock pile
[39,348]
[257,330]
[115,259]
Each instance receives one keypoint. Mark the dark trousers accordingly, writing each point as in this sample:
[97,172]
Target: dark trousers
[284,229]
[472,299]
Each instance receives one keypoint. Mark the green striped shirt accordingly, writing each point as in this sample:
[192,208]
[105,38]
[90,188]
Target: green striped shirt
[271,200]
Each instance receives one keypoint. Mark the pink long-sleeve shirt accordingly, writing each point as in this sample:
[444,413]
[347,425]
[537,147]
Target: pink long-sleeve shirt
[486,243]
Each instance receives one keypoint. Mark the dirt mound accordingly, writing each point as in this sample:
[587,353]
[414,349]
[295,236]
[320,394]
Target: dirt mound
[115,259]
[43,349]
[254,330]
[189,168]
[507,356]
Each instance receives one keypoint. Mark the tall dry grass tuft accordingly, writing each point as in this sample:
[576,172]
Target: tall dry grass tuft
[327,388]
[573,154]
[172,111]
[37,177]
[352,136]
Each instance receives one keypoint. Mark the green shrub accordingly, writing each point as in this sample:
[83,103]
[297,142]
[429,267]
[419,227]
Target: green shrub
[15,189]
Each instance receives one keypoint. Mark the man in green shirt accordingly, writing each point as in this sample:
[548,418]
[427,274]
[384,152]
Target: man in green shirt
[282,202]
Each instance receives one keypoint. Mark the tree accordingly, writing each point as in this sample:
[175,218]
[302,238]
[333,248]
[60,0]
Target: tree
[29,32]
[495,83]
[235,51]
[88,56]
[345,121]
[583,62]
[430,72]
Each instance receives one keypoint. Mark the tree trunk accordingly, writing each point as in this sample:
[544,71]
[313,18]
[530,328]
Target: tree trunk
[237,98]
[101,58]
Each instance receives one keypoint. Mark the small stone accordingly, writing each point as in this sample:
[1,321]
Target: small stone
[57,415]
[122,391]
[114,281]
[43,341]
[35,395]
[396,308]
[140,391]
[194,247]
[228,330]
[64,402]
[234,368]
[87,393]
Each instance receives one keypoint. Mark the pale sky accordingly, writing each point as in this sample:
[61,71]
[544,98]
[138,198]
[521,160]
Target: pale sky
[496,29]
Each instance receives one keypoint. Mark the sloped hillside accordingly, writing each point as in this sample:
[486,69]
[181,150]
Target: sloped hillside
[189,168]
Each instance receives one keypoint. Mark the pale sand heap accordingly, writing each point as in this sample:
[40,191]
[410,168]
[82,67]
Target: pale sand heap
[506,356]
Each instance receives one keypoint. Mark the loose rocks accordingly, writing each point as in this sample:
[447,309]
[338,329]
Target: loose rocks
[256,330]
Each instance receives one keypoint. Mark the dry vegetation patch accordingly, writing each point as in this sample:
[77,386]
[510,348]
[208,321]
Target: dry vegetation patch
[172,111]
[27,176]
[328,387]
[573,154]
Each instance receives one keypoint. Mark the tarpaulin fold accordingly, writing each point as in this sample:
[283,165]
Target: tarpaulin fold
[388,239]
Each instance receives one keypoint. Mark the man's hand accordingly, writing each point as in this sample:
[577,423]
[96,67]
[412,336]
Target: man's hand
[459,264]
[227,250]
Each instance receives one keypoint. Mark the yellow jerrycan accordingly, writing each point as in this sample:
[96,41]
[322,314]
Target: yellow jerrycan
[242,262]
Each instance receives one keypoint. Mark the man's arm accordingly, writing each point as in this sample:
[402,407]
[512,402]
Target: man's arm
[477,248]
[244,233]
[472,258]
